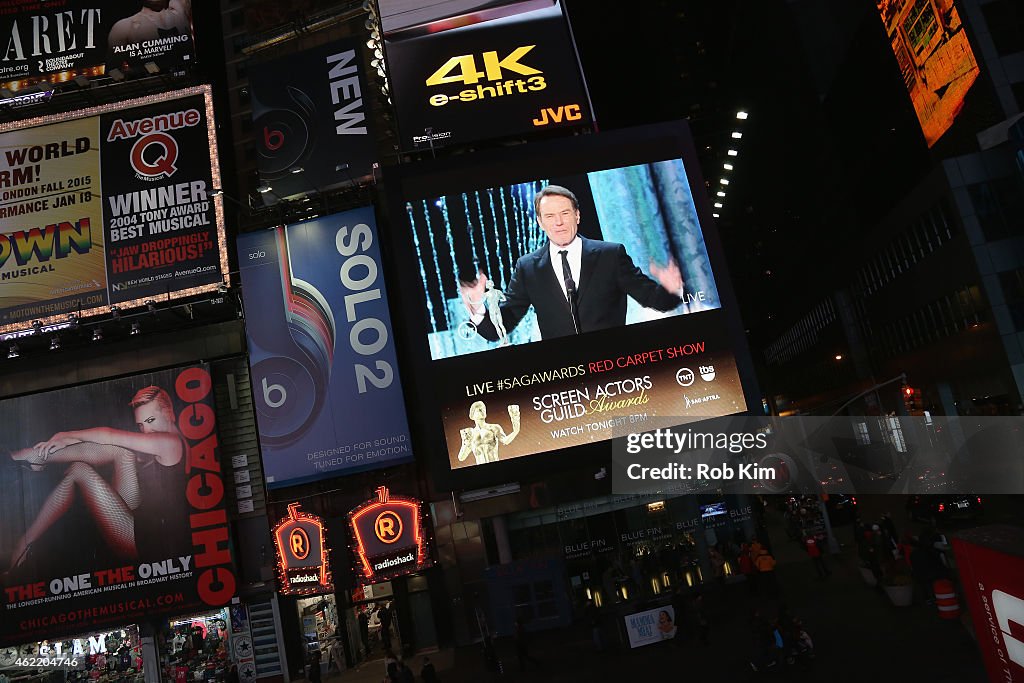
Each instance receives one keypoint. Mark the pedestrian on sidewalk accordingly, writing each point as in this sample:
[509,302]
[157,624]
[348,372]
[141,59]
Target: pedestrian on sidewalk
[384,615]
[523,646]
[817,558]
[765,565]
[391,669]
[746,566]
[427,672]
[679,610]
[314,667]
[701,620]
[717,564]
[593,618]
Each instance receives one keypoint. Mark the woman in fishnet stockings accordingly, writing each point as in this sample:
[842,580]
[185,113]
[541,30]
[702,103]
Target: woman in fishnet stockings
[157,448]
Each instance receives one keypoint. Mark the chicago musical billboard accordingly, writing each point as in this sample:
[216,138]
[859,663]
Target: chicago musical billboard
[309,113]
[111,205]
[56,41]
[112,505]
[568,295]
[487,78]
[321,349]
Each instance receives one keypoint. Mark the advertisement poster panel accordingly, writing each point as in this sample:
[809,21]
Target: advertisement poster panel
[536,350]
[112,504]
[328,393]
[651,626]
[935,58]
[309,113]
[57,40]
[991,563]
[506,76]
[114,207]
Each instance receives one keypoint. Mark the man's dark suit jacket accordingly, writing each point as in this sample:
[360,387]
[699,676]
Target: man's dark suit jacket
[607,276]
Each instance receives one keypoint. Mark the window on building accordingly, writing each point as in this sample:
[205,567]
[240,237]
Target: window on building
[998,204]
[920,25]
[1012,283]
[1005,19]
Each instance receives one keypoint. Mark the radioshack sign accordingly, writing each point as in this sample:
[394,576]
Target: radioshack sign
[389,536]
[991,562]
[303,565]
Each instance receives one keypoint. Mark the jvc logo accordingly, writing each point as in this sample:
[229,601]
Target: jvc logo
[1009,610]
[570,112]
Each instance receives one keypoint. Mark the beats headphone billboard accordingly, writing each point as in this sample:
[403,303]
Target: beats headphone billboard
[324,370]
[317,122]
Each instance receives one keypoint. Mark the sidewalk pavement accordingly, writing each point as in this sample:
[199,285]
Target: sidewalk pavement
[858,636]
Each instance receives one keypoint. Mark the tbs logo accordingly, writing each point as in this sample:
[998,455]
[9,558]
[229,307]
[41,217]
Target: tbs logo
[707,372]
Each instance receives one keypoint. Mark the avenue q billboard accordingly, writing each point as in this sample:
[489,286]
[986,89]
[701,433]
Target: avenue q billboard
[57,40]
[110,205]
[125,517]
[458,82]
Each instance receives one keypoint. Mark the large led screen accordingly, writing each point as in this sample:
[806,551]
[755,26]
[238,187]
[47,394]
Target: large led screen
[570,307]
[487,77]
[111,205]
[324,369]
[935,58]
[112,505]
[57,40]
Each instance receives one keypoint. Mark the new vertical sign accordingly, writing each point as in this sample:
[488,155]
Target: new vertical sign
[316,123]
[324,368]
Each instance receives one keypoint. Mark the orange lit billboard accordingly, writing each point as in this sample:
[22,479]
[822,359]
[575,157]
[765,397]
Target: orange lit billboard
[935,58]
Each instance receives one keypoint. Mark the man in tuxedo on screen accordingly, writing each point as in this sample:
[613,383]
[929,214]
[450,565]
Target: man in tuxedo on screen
[575,284]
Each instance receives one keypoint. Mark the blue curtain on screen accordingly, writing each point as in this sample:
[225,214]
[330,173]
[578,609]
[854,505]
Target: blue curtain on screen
[649,209]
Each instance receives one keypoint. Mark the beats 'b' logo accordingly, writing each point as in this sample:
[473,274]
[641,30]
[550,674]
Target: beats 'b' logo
[272,139]
[298,543]
[388,527]
[288,134]
[153,156]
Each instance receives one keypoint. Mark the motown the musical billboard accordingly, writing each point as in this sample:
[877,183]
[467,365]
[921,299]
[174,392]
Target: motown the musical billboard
[111,205]
[111,505]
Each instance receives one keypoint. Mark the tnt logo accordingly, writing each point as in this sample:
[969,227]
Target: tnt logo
[707,372]
[388,527]
[298,543]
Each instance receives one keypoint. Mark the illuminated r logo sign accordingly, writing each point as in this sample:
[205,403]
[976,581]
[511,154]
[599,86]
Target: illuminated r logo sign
[298,543]
[388,527]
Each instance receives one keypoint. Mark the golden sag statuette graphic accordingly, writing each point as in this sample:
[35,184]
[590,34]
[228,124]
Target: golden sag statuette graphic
[483,438]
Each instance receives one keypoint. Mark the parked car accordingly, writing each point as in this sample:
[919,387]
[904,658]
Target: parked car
[942,508]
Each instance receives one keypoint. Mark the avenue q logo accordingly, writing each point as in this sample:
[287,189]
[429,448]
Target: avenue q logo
[155,152]
[303,564]
[389,537]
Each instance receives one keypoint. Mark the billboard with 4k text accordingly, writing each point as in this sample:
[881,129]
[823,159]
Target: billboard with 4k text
[514,74]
